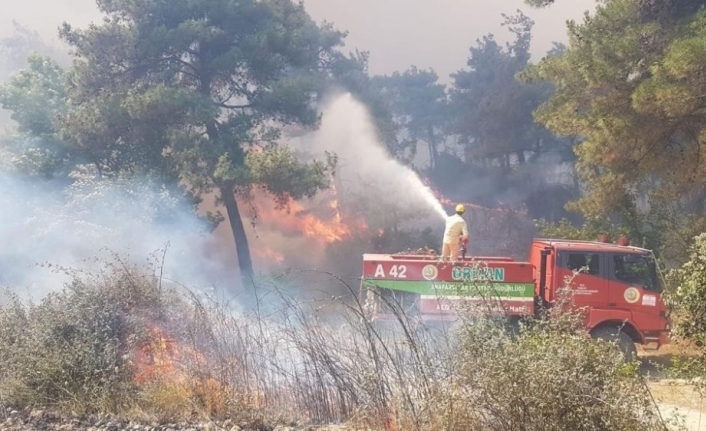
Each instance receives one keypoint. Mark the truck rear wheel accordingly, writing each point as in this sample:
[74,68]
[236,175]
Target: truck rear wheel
[620,338]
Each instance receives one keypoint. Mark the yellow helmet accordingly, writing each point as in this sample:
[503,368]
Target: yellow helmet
[460,208]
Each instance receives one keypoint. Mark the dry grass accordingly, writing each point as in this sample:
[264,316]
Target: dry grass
[180,355]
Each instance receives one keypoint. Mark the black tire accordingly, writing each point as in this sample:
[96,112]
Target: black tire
[620,338]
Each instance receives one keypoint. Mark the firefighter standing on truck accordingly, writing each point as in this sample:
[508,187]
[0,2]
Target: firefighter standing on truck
[455,232]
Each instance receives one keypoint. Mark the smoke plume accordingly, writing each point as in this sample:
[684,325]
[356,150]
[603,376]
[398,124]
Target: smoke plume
[44,225]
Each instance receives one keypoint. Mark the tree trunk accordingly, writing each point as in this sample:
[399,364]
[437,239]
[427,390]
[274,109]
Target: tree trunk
[433,151]
[241,240]
[242,248]
[432,161]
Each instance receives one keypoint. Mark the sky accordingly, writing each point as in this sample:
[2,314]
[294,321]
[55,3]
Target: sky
[398,33]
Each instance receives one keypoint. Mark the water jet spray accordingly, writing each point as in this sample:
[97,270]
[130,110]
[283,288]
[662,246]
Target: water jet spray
[348,130]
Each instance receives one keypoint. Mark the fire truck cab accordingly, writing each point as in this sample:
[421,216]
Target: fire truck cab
[617,286]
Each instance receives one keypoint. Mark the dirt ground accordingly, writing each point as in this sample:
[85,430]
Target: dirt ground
[678,398]
[655,361]
[674,396]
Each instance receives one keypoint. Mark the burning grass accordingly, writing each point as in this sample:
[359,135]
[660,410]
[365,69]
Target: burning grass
[124,342]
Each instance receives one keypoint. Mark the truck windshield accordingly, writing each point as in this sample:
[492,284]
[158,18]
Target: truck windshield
[638,270]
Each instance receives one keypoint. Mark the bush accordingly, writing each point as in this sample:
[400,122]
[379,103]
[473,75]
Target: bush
[550,376]
[686,298]
[687,295]
[73,349]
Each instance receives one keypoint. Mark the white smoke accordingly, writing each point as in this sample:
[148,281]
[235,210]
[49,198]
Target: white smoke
[42,222]
[365,166]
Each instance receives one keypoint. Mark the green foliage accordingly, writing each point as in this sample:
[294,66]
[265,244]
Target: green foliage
[36,98]
[590,230]
[687,295]
[80,349]
[539,3]
[194,89]
[15,49]
[420,108]
[666,11]
[625,85]
[501,148]
[649,9]
[351,73]
[493,110]
[282,175]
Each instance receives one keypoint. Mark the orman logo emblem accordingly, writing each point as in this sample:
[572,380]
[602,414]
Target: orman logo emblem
[430,272]
[632,295]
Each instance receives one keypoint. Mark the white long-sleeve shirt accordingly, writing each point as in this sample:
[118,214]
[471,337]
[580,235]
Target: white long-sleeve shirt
[455,227]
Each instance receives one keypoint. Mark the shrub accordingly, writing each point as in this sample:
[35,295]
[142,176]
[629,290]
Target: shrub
[687,294]
[686,298]
[550,376]
[73,349]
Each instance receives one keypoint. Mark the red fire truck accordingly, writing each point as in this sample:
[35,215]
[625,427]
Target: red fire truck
[618,286]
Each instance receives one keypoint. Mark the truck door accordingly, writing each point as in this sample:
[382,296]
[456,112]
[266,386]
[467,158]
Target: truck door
[634,286]
[584,272]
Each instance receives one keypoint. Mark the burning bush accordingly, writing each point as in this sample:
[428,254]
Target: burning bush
[100,345]
[71,349]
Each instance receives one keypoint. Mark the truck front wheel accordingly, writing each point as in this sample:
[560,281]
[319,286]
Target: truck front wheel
[620,338]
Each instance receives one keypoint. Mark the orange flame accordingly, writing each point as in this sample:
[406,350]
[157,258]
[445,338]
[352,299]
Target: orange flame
[157,357]
[325,232]
[300,221]
[176,375]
